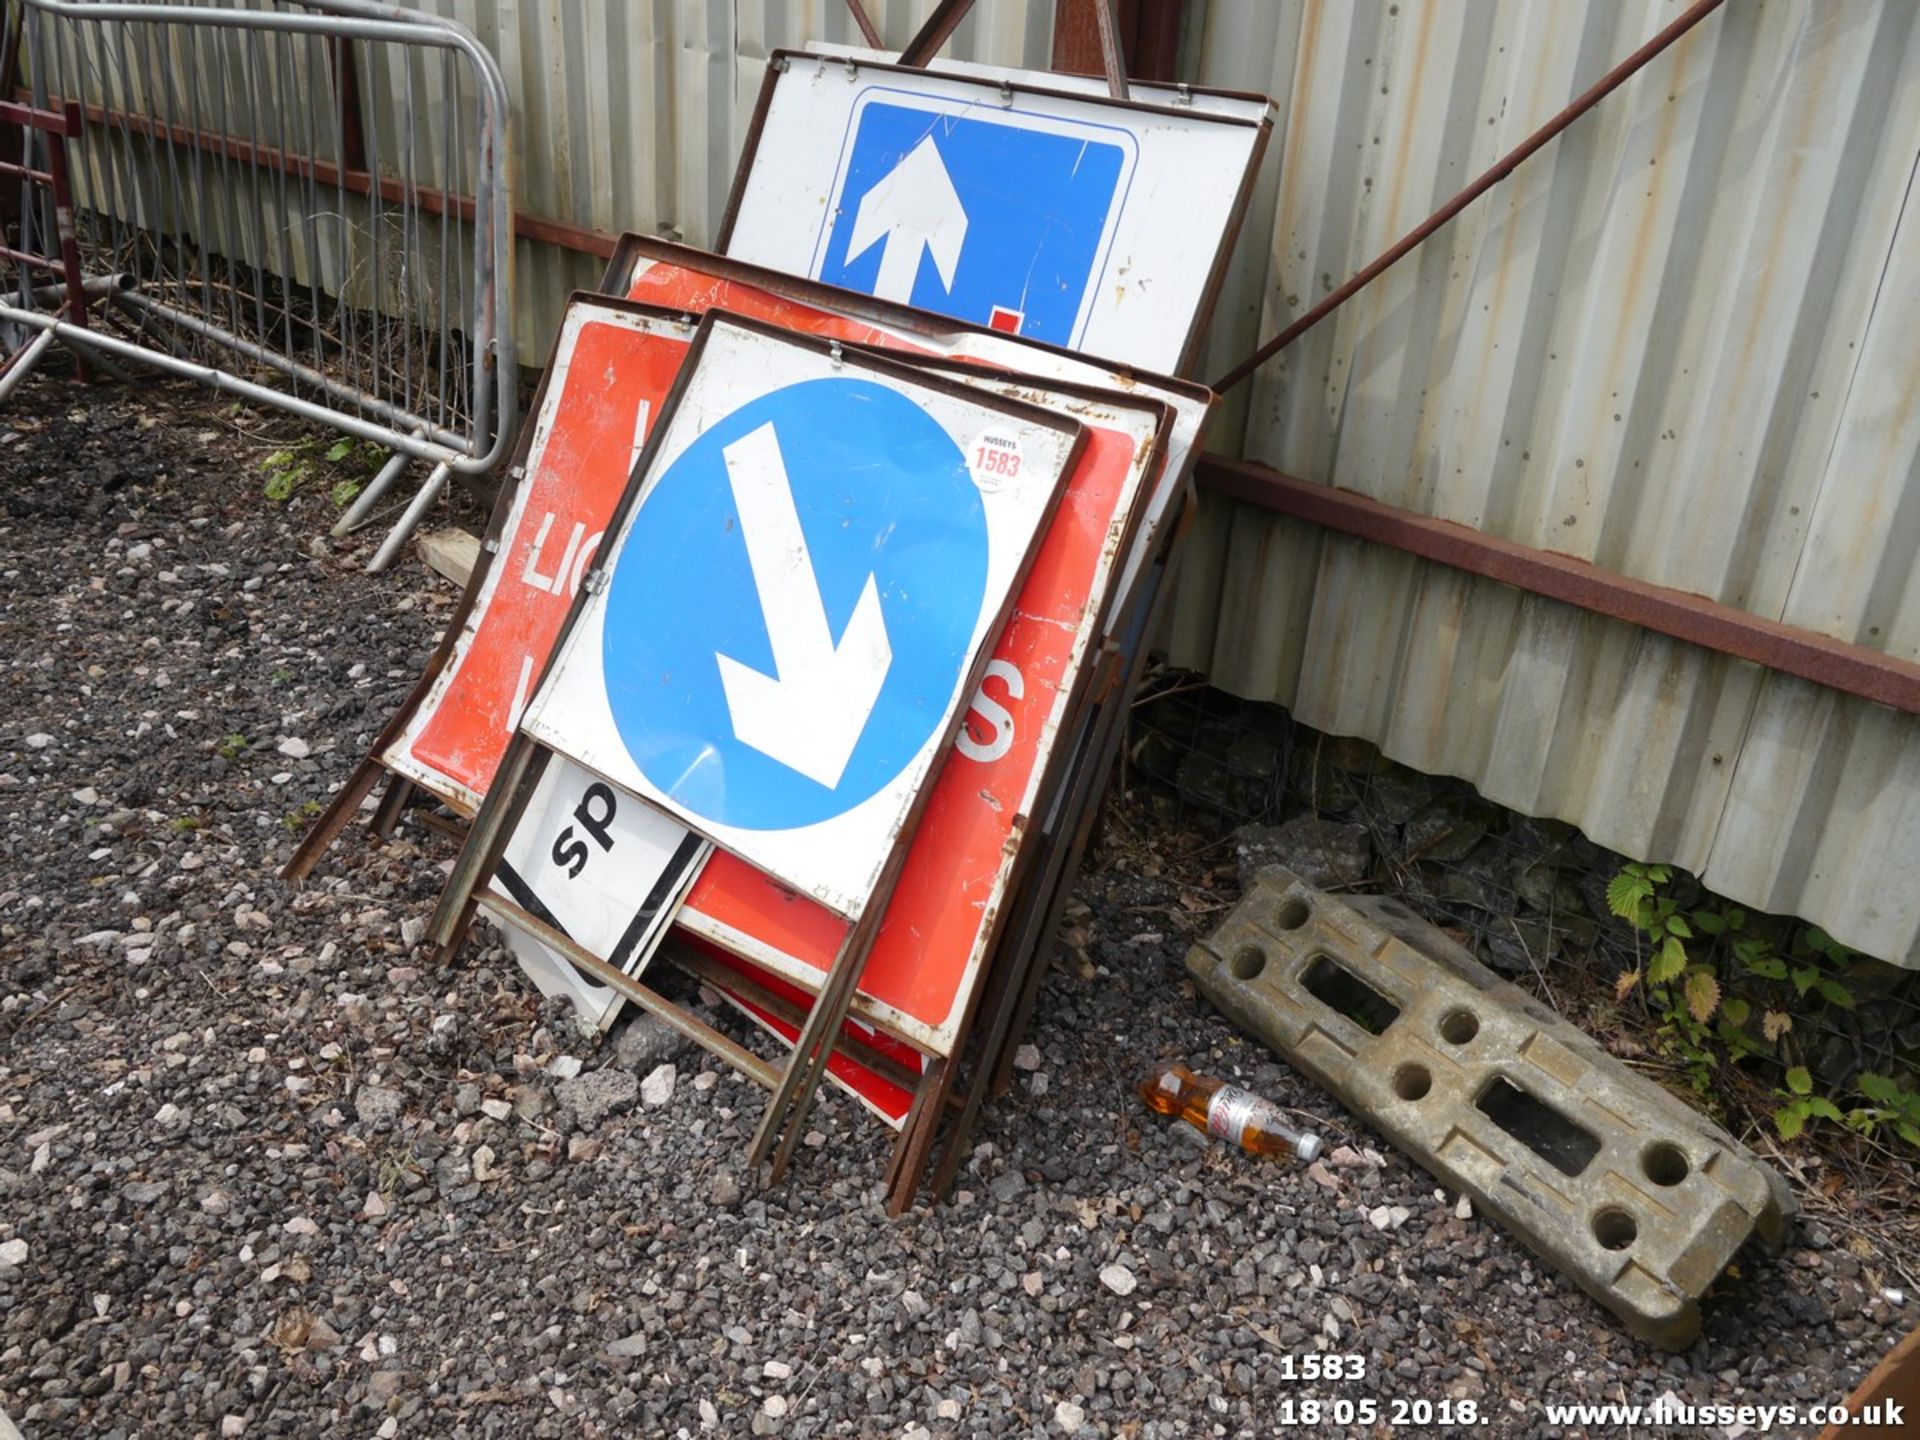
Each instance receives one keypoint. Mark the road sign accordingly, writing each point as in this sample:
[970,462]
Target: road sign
[612,366]
[797,604]
[901,230]
[944,910]
[1086,222]
[600,867]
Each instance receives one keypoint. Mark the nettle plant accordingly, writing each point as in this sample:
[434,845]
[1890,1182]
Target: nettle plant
[1721,986]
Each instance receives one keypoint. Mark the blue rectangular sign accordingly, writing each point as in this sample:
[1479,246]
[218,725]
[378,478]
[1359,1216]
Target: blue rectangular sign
[999,217]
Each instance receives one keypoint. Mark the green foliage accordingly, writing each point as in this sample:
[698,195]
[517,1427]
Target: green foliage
[290,467]
[1802,1104]
[298,818]
[355,460]
[1681,990]
[1722,988]
[285,470]
[1891,1105]
[232,746]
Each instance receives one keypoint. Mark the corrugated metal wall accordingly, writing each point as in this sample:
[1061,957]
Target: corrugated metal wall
[1683,342]
[630,114]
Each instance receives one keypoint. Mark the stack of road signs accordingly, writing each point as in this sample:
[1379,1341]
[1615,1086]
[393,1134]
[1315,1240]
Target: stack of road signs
[802,633]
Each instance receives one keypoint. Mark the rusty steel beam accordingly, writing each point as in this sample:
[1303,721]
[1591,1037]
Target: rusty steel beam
[1147,31]
[865,24]
[941,22]
[1112,60]
[562,233]
[1837,664]
[1501,168]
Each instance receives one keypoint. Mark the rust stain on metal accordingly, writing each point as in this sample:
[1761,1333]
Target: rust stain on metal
[1696,619]
[1505,166]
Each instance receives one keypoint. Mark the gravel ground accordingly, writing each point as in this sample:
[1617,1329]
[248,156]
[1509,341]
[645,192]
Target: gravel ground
[262,1174]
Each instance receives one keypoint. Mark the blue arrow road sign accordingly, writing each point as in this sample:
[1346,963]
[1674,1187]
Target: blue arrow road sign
[794,607]
[1001,217]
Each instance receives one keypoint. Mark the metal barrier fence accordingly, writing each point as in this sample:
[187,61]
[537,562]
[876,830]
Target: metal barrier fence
[311,205]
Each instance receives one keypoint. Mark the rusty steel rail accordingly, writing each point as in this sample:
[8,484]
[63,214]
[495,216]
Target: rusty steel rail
[1499,171]
[1806,654]
[355,179]
[49,131]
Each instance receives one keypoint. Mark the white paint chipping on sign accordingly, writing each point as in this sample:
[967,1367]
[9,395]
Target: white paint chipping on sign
[1068,218]
[793,607]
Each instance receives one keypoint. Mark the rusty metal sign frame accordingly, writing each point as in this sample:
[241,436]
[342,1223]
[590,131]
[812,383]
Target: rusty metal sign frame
[1042,871]
[798,1080]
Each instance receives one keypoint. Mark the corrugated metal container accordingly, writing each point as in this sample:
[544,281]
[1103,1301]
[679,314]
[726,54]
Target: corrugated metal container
[1682,342]
[630,114]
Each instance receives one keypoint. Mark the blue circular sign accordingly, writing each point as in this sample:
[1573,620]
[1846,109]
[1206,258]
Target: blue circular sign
[792,613]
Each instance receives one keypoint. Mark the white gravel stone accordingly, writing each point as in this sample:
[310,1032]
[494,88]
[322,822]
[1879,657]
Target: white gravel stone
[39,740]
[1069,1416]
[294,748]
[1119,1279]
[13,1254]
[657,1089]
[1388,1217]
[775,1405]
[777,1370]
[1027,1057]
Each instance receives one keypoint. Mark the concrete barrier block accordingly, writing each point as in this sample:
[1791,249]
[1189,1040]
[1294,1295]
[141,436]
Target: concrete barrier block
[1634,1195]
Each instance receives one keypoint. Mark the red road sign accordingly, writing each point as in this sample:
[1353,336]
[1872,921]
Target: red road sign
[611,369]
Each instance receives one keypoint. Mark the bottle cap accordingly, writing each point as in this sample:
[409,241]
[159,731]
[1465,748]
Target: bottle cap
[1308,1149]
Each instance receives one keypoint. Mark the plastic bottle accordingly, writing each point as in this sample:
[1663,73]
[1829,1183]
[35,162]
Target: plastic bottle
[1235,1115]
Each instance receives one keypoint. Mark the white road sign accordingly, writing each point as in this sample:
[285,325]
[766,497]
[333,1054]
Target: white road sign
[1086,222]
[796,606]
[602,868]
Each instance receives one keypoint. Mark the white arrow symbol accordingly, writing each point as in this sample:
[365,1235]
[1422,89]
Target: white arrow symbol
[912,208]
[810,713]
